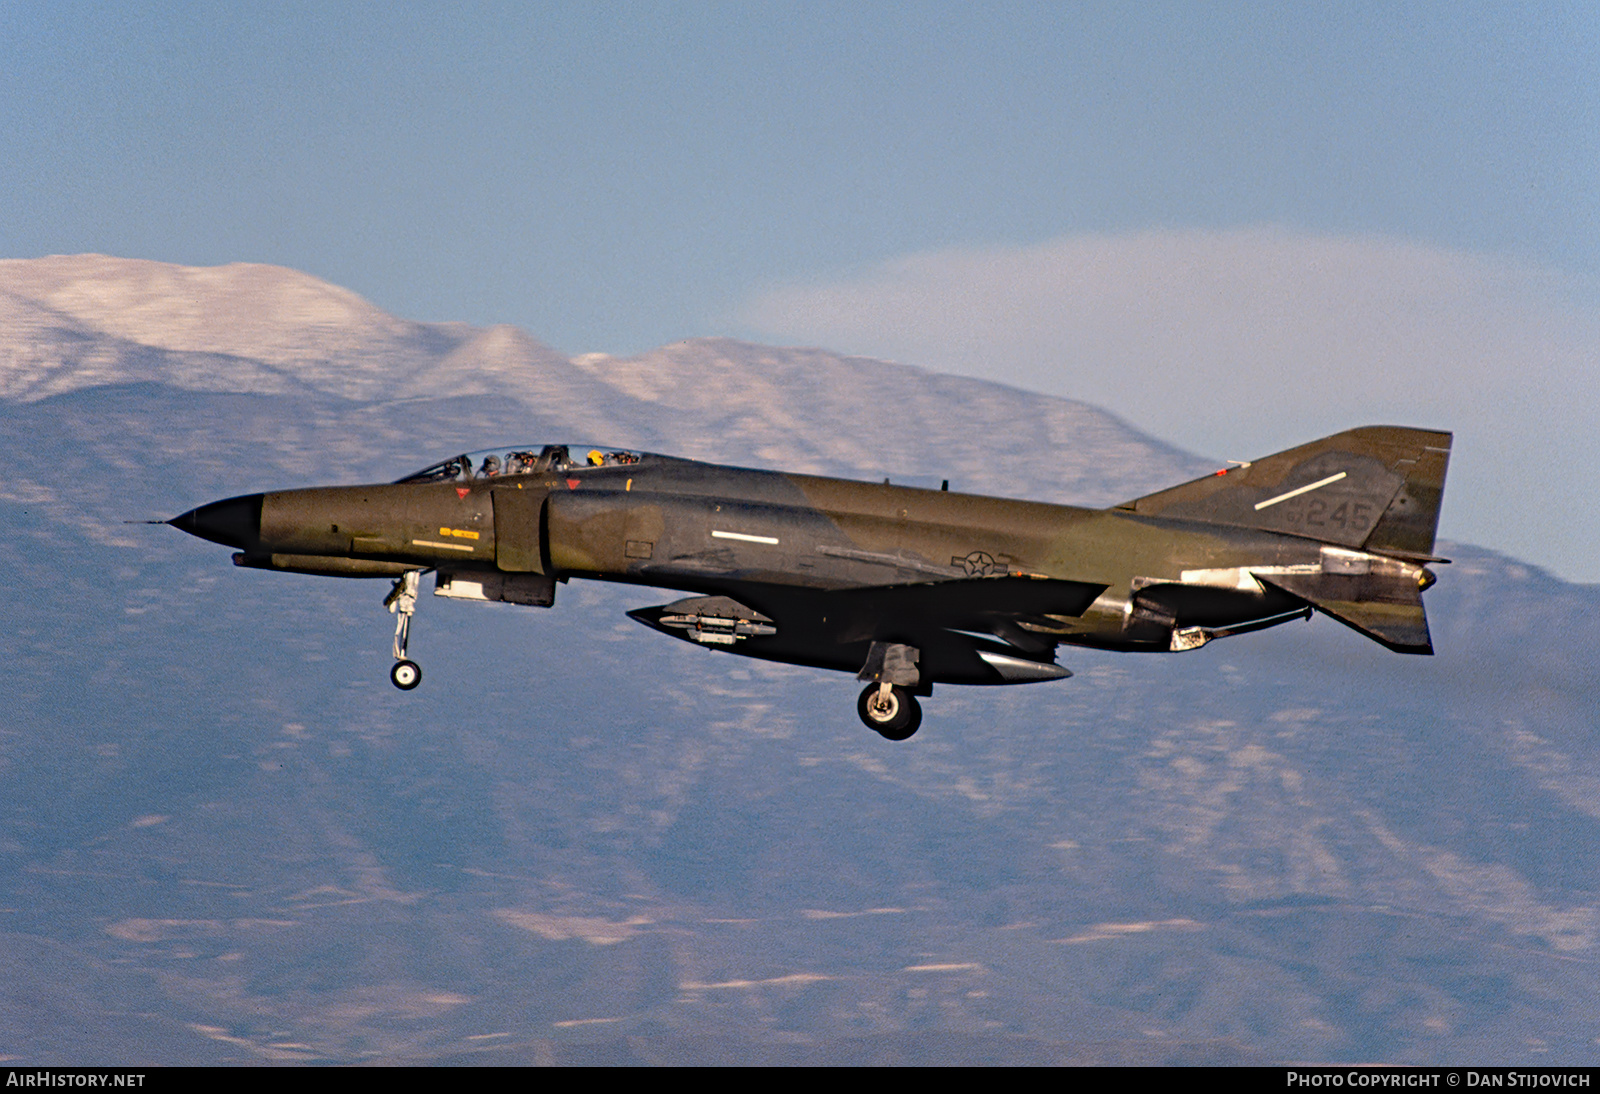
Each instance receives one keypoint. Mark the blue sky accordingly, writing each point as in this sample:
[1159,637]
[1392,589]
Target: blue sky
[1152,204]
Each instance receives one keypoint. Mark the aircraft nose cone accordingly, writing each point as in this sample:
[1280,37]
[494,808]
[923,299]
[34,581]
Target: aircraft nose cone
[235,522]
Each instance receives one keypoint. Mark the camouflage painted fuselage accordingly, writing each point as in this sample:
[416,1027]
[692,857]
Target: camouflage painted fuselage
[816,571]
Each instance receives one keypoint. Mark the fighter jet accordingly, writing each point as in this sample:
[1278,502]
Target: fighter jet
[904,587]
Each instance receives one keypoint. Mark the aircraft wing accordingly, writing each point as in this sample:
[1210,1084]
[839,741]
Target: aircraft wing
[967,629]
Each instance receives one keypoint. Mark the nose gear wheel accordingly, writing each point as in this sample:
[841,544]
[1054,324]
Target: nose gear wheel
[406,674]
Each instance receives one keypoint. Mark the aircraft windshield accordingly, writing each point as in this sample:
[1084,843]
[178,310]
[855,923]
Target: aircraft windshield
[494,463]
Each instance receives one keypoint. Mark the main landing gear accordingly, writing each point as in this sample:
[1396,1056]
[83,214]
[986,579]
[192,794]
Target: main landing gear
[402,602]
[891,710]
[889,705]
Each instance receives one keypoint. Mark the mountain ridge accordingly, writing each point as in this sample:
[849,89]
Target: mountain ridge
[730,401]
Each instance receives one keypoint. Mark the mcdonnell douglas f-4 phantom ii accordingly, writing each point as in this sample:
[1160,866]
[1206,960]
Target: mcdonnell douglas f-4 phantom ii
[904,587]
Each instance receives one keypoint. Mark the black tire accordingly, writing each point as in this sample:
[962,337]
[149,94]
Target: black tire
[896,719]
[406,674]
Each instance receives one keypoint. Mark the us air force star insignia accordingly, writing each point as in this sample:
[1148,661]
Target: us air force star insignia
[977,564]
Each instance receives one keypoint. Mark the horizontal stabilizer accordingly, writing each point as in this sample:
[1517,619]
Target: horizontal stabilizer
[1386,609]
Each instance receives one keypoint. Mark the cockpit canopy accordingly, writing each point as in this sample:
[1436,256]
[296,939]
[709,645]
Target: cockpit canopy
[492,463]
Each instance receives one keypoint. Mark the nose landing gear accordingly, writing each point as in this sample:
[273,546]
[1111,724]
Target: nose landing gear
[402,602]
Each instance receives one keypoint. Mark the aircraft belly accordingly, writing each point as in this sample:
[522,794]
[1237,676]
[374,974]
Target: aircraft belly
[946,658]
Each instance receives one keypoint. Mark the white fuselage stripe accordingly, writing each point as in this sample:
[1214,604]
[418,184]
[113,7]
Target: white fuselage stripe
[446,546]
[743,538]
[1302,490]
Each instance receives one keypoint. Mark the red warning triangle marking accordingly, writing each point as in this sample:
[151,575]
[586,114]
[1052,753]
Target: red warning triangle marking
[572,484]
[463,491]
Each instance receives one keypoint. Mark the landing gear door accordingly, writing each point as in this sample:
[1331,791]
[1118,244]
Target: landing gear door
[519,529]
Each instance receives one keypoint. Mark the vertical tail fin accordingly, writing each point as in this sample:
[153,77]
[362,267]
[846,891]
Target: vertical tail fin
[1376,488]
[1410,523]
